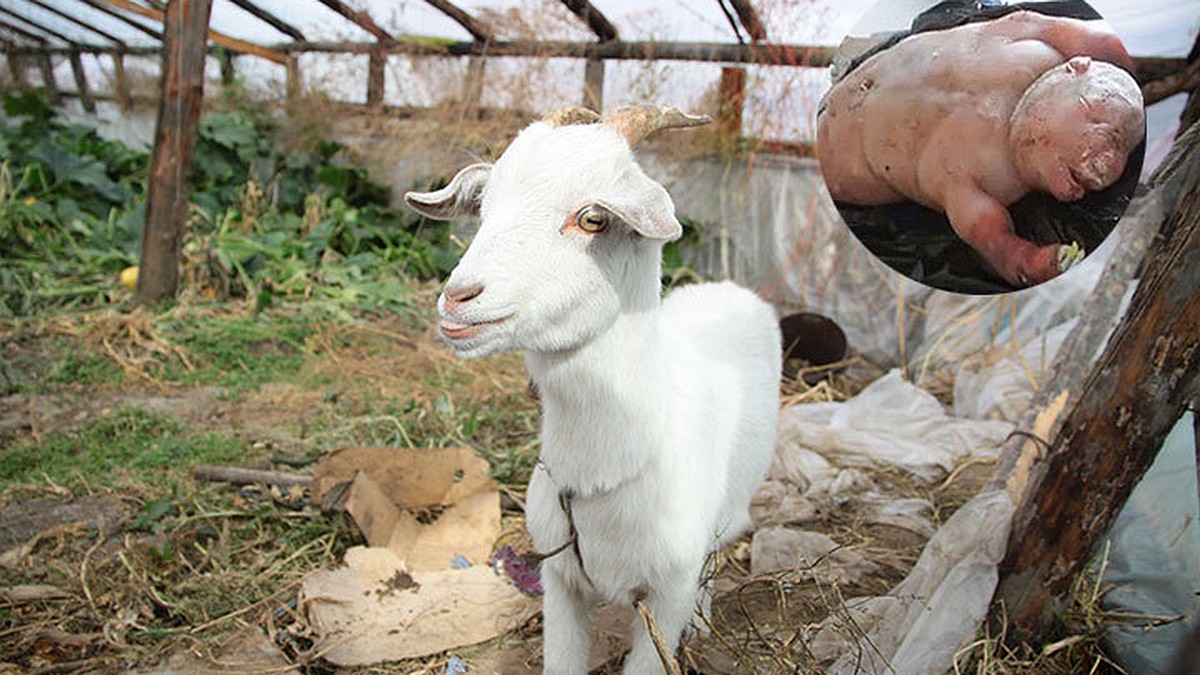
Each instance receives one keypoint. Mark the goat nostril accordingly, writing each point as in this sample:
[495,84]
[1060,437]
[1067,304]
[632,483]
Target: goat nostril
[456,295]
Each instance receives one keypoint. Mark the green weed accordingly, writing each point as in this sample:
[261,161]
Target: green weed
[85,368]
[125,444]
[237,352]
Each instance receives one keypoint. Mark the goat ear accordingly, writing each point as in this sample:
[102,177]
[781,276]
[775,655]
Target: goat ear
[459,198]
[652,216]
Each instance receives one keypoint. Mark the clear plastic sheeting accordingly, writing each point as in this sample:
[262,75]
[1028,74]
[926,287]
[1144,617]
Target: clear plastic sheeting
[995,353]
[769,224]
[919,626]
[891,422]
[1153,565]
[823,457]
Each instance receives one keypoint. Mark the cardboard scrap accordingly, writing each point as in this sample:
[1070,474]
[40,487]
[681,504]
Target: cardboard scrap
[374,610]
[382,488]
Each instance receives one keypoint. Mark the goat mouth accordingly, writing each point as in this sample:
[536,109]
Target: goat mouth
[453,330]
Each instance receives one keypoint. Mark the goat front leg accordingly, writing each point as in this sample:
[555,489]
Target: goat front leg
[671,608]
[567,620]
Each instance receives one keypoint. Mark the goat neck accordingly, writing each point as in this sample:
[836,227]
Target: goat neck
[602,404]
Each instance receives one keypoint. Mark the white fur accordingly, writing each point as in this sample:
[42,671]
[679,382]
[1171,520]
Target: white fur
[659,416]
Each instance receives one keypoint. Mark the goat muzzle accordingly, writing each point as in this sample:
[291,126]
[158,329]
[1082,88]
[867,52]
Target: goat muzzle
[455,296]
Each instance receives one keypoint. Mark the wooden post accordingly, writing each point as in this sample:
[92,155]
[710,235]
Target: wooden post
[375,82]
[225,59]
[593,85]
[295,78]
[1109,436]
[184,49]
[16,66]
[121,82]
[733,97]
[47,68]
[472,93]
[81,83]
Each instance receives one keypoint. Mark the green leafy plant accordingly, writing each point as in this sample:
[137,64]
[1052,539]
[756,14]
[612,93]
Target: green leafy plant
[268,224]
[108,446]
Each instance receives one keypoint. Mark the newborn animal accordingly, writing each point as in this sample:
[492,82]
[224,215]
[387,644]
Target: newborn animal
[968,120]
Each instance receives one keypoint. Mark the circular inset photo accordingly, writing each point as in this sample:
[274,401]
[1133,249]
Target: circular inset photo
[981,148]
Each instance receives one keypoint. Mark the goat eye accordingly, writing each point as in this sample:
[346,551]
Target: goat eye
[592,219]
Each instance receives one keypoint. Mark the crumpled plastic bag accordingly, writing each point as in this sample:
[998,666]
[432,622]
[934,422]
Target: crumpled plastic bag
[999,384]
[891,422]
[806,555]
[922,622]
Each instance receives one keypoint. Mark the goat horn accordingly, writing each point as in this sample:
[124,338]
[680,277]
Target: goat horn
[570,114]
[636,123]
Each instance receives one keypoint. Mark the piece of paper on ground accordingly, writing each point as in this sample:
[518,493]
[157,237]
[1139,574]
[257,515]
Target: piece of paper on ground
[372,610]
[425,505]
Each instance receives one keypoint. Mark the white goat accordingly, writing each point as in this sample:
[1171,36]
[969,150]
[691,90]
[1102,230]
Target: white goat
[658,416]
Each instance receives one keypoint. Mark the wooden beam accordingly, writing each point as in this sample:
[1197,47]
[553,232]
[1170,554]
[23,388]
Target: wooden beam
[240,46]
[593,85]
[79,22]
[81,83]
[184,50]
[749,19]
[765,54]
[361,19]
[1069,487]
[600,25]
[136,25]
[121,83]
[770,54]
[275,22]
[1191,113]
[37,26]
[28,35]
[375,80]
[45,65]
[1187,79]
[478,30]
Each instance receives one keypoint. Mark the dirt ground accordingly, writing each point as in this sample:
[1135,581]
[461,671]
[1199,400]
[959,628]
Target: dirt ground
[70,543]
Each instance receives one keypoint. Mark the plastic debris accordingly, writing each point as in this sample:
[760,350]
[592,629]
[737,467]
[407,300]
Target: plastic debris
[456,665]
[524,575]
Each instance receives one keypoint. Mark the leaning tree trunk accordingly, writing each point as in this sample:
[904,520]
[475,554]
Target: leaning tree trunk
[184,48]
[1124,408]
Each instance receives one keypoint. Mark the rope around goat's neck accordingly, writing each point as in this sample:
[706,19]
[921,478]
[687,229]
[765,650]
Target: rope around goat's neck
[565,499]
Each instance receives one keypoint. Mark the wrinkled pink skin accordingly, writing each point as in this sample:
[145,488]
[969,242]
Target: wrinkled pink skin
[928,120]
